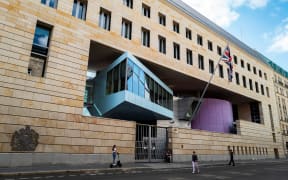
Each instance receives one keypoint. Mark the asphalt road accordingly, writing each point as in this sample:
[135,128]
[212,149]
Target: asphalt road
[259,171]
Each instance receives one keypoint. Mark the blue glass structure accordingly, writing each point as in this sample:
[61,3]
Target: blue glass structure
[126,89]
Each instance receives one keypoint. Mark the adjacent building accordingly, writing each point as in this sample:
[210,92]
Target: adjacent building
[79,76]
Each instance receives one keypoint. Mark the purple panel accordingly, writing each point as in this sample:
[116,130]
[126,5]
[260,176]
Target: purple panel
[214,115]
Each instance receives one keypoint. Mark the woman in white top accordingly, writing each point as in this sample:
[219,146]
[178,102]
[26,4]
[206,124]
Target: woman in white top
[114,153]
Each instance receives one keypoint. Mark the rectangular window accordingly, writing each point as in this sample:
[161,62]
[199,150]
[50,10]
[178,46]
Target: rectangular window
[79,9]
[256,87]
[260,73]
[251,84]
[126,29]
[235,59]
[254,70]
[50,3]
[211,66]
[255,112]
[39,51]
[145,37]
[244,81]
[176,48]
[200,62]
[162,19]
[219,50]
[221,74]
[210,45]
[188,34]
[267,92]
[199,40]
[145,10]
[162,44]
[128,3]
[189,57]
[262,89]
[242,63]
[265,76]
[248,67]
[105,19]
[237,78]
[176,27]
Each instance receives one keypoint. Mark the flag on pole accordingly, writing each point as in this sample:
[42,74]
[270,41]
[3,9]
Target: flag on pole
[226,57]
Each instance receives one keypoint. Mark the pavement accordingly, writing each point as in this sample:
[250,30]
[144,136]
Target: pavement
[104,168]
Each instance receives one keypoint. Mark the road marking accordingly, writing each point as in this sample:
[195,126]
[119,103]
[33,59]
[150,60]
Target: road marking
[23,178]
[92,174]
[9,179]
[36,177]
[72,175]
[222,177]
[60,176]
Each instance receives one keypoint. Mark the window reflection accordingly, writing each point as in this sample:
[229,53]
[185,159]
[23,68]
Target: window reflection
[135,80]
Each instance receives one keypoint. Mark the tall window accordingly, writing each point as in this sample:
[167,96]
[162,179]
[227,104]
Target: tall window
[260,73]
[189,57]
[128,3]
[235,59]
[221,74]
[176,48]
[242,63]
[199,40]
[211,66]
[219,50]
[188,34]
[254,70]
[262,89]
[79,9]
[145,37]
[237,78]
[162,44]
[176,27]
[244,81]
[126,30]
[248,67]
[39,51]
[200,62]
[50,3]
[210,45]
[255,112]
[267,92]
[162,19]
[251,84]
[145,10]
[256,87]
[105,19]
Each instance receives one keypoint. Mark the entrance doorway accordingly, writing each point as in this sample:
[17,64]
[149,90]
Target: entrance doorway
[276,153]
[151,143]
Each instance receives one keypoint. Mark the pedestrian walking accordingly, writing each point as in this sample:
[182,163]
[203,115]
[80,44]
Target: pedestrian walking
[231,162]
[195,166]
[114,153]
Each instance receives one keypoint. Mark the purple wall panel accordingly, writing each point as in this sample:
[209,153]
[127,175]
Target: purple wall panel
[214,115]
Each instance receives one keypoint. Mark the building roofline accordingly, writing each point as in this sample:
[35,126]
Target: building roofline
[229,37]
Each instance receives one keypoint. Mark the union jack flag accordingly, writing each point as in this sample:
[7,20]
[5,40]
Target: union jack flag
[226,57]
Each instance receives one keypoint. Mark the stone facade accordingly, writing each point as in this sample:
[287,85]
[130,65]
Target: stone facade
[52,105]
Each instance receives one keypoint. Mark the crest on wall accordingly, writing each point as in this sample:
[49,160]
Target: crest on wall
[25,139]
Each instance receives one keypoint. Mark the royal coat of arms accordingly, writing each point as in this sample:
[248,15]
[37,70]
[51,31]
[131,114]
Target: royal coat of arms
[25,139]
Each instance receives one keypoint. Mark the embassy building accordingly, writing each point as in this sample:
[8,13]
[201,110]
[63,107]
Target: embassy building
[79,76]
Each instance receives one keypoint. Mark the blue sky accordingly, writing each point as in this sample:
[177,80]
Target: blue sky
[261,24]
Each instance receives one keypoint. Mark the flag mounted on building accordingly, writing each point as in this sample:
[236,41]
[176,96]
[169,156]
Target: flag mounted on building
[226,57]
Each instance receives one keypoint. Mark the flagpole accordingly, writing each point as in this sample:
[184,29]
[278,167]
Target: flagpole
[204,91]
